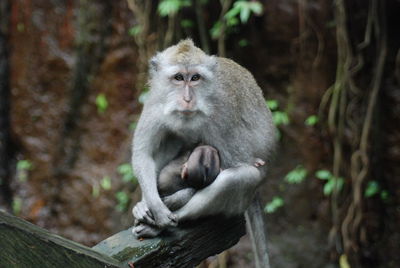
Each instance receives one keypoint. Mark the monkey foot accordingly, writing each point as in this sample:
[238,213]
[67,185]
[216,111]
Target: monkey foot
[145,231]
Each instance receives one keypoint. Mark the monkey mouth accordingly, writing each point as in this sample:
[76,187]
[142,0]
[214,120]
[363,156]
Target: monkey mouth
[187,112]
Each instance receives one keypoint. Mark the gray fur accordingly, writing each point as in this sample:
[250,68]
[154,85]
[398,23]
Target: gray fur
[230,115]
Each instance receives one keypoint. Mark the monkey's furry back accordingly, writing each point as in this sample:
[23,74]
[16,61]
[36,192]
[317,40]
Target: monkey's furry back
[248,131]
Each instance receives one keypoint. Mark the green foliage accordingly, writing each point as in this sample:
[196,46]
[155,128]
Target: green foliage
[125,170]
[243,43]
[95,191]
[16,205]
[185,23]
[244,9]
[101,103]
[132,126]
[122,201]
[331,183]
[384,195]
[323,174]
[105,183]
[135,30]
[272,206]
[215,31]
[23,166]
[171,7]
[311,120]
[272,104]
[280,118]
[371,189]
[297,175]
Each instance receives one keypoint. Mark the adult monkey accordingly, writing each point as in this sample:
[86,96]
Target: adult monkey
[196,99]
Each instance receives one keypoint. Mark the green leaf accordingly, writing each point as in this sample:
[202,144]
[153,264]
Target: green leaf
[122,201]
[126,171]
[169,7]
[233,12]
[132,126]
[256,7]
[272,104]
[244,15]
[135,30]
[232,22]
[16,205]
[95,191]
[297,175]
[280,118]
[384,195]
[272,206]
[215,31]
[101,103]
[323,174]
[243,43]
[371,189]
[105,183]
[330,185]
[343,262]
[187,23]
[24,165]
[311,120]
[278,134]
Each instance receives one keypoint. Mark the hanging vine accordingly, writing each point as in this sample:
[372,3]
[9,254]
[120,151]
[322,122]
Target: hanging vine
[351,110]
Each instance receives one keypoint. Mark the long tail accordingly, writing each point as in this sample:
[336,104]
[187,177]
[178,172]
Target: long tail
[257,229]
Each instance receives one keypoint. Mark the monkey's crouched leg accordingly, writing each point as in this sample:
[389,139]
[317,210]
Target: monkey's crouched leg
[178,199]
[230,194]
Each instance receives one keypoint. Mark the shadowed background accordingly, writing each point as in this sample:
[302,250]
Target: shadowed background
[73,77]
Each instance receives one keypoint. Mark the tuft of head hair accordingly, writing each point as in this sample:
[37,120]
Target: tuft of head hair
[184,53]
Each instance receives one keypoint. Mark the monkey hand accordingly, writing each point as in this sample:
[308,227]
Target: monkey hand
[142,214]
[159,215]
[163,217]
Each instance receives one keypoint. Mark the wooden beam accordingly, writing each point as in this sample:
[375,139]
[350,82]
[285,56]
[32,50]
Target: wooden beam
[185,246]
[23,244]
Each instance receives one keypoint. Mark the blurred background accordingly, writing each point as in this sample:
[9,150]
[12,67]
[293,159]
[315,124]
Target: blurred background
[73,80]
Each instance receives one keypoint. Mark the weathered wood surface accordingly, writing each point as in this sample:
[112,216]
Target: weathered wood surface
[181,247]
[23,244]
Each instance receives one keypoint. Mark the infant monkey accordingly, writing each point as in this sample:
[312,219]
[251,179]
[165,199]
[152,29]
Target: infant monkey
[190,172]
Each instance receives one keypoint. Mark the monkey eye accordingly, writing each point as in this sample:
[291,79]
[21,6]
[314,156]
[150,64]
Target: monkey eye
[178,77]
[195,77]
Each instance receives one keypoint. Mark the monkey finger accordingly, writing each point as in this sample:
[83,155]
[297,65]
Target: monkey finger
[142,217]
[174,219]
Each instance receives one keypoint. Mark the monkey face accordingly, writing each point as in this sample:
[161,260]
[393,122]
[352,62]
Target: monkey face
[189,90]
[182,81]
